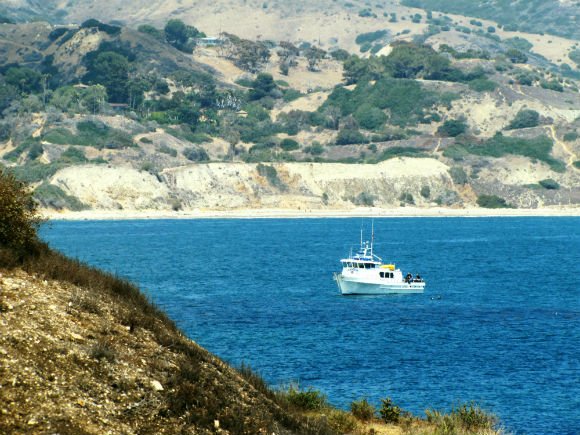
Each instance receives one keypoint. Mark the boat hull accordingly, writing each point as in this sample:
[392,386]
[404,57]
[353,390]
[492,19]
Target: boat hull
[348,286]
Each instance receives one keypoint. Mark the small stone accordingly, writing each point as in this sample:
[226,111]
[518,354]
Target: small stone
[32,422]
[156,385]
[76,336]
[216,424]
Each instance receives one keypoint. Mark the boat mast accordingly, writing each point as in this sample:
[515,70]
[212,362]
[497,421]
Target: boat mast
[372,236]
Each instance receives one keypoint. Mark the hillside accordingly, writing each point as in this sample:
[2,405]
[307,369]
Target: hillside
[154,117]
[78,362]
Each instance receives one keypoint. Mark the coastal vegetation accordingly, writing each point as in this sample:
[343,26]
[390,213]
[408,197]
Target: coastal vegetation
[150,99]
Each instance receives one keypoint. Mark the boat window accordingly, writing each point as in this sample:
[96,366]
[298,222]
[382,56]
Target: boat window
[391,275]
[367,265]
[382,274]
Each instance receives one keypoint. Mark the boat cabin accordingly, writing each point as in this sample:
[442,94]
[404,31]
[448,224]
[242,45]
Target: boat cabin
[360,264]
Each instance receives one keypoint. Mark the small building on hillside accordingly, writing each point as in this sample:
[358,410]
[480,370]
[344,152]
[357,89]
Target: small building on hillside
[210,41]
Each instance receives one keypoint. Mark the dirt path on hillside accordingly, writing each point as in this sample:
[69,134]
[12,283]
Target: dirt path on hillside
[572,156]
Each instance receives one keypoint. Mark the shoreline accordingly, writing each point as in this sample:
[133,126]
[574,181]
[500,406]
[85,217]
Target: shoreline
[400,212]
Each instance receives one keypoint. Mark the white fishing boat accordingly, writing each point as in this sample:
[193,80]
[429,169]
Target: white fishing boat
[364,273]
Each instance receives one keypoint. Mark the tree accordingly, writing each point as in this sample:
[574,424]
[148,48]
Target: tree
[176,33]
[249,55]
[19,221]
[112,71]
[25,79]
[411,61]
[8,94]
[262,86]
[287,55]
[314,55]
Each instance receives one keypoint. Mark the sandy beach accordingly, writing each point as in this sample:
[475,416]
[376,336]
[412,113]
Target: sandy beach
[266,213]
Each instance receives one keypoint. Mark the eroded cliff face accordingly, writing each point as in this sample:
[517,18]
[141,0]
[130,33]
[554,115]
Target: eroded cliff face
[230,186]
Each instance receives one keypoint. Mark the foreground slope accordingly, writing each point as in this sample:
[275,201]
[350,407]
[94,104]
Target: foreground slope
[75,360]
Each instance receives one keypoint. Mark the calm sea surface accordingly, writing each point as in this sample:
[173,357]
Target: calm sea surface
[499,322]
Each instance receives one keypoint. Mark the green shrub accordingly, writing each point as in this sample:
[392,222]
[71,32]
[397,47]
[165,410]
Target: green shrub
[452,128]
[458,175]
[305,400]
[389,412]
[19,221]
[552,85]
[90,133]
[549,184]
[516,56]
[482,85]
[455,152]
[393,152]
[576,164]
[13,155]
[315,149]
[362,410]
[407,198]
[73,155]
[365,199]
[342,422]
[196,154]
[289,144]
[492,201]
[472,418]
[168,150]
[425,192]
[348,136]
[107,28]
[370,117]
[35,171]
[35,151]
[145,140]
[525,118]
[536,148]
[270,173]
[571,136]
[49,195]
[370,36]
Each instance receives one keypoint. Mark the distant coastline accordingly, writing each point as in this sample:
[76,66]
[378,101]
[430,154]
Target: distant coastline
[271,213]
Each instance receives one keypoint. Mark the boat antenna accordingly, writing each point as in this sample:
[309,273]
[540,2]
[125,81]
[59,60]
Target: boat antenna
[372,235]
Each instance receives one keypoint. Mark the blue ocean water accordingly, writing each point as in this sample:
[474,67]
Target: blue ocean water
[499,322]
